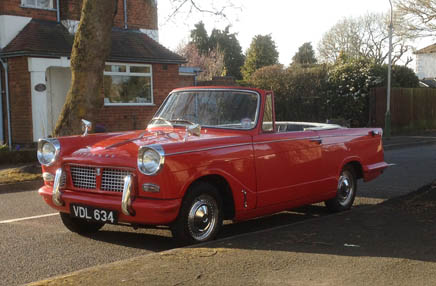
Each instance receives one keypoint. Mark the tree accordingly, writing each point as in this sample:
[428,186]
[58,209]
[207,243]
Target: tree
[220,42]
[228,44]
[211,63]
[262,52]
[91,47]
[305,55]
[200,38]
[419,16]
[365,37]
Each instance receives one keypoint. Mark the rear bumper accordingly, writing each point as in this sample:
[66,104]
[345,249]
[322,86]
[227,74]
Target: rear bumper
[147,211]
[370,172]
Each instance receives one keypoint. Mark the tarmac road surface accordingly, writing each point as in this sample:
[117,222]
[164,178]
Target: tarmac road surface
[35,245]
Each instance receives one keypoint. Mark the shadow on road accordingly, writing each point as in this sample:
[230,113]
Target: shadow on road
[401,228]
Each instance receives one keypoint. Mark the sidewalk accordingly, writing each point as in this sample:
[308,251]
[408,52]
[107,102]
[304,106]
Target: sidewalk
[388,244]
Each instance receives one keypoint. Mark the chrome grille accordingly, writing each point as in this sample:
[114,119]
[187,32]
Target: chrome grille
[113,179]
[83,177]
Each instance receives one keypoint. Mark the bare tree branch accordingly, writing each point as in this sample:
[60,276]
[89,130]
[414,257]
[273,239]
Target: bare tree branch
[365,36]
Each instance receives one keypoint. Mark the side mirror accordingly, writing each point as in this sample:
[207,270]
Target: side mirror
[86,127]
[194,129]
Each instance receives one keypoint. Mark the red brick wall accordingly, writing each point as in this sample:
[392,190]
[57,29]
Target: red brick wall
[140,13]
[13,7]
[20,100]
[113,118]
[117,118]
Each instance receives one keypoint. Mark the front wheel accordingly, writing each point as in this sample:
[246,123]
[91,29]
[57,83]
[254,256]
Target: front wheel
[80,226]
[200,217]
[346,192]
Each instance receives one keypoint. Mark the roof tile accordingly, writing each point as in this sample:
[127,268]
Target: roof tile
[48,38]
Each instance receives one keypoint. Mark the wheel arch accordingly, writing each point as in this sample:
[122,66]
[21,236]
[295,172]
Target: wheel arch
[356,164]
[224,190]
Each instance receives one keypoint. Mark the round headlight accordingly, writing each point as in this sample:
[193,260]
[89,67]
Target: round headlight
[150,159]
[48,150]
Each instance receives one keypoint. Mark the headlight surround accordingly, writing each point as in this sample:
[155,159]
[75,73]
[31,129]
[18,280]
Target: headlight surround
[48,151]
[151,159]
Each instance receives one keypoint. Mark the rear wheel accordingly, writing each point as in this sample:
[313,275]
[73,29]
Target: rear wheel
[346,192]
[200,217]
[80,226]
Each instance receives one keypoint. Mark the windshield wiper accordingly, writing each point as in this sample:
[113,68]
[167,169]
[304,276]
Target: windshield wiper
[182,120]
[162,119]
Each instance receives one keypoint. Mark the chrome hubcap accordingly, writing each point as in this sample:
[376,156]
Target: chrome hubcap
[202,217]
[345,188]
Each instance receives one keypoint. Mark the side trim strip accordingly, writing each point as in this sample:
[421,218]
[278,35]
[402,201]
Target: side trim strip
[207,149]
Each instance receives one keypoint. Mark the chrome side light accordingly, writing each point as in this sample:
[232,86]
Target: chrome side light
[150,188]
[48,151]
[48,177]
[151,159]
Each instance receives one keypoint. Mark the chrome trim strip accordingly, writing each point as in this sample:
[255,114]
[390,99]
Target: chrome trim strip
[56,195]
[263,142]
[102,166]
[210,148]
[287,139]
[126,201]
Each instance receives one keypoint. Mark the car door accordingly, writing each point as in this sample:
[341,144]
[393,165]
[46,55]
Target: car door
[287,163]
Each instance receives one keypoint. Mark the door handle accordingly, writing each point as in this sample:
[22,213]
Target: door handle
[316,140]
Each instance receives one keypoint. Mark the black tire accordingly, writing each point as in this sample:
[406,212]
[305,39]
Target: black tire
[346,191]
[202,199]
[80,226]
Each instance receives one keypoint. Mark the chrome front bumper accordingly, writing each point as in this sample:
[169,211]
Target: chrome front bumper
[126,201]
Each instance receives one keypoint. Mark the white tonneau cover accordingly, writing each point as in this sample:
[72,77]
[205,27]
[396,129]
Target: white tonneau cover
[283,126]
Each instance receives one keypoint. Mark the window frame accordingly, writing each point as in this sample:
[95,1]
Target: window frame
[128,73]
[268,101]
[25,5]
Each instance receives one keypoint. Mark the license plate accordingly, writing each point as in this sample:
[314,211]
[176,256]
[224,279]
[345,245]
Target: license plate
[93,214]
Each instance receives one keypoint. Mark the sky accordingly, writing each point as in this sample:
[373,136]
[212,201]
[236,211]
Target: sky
[290,22]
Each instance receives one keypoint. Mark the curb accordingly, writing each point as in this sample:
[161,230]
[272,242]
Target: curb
[21,186]
[392,146]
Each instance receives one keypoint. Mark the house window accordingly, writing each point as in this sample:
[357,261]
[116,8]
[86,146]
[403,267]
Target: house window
[40,4]
[128,84]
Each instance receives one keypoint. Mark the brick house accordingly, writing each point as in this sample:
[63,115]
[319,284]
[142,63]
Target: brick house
[426,66]
[36,37]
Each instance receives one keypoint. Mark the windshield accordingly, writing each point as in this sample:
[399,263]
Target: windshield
[210,108]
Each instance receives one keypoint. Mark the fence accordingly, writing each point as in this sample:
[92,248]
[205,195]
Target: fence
[412,109]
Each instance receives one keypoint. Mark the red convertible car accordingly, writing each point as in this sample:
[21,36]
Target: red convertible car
[209,154]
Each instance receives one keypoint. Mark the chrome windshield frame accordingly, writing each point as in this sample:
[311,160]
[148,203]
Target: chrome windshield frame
[256,117]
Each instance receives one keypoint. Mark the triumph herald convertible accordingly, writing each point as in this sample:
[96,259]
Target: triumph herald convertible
[209,154]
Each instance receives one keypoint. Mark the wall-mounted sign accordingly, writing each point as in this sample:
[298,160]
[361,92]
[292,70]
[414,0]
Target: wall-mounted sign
[40,87]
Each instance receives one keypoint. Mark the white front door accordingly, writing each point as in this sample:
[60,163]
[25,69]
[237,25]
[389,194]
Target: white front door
[58,84]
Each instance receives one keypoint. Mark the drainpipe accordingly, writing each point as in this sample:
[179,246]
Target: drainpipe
[125,14]
[8,108]
[58,11]
[2,135]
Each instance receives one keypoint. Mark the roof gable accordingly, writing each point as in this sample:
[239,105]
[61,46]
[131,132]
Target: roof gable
[52,39]
[427,50]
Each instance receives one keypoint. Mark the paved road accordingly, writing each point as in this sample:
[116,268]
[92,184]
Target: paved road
[38,248]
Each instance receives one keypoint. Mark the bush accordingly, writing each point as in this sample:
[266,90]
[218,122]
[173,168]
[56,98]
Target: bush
[324,92]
